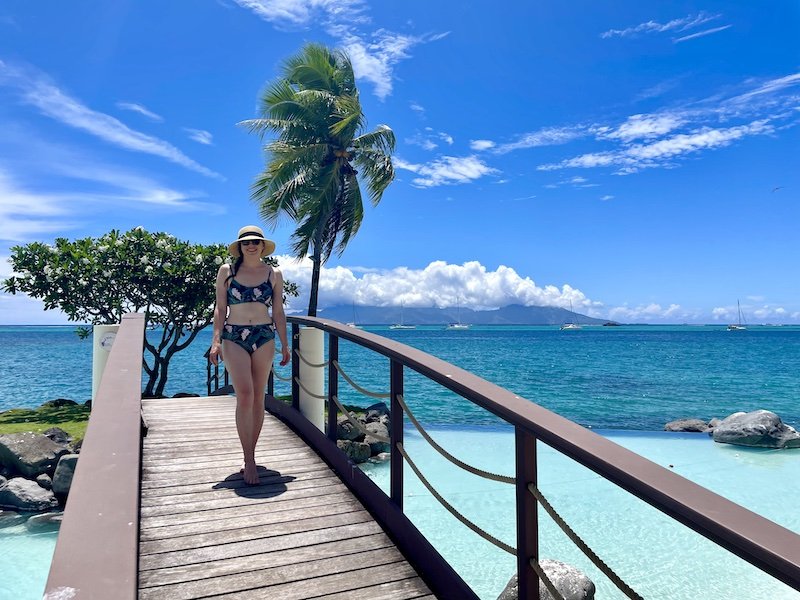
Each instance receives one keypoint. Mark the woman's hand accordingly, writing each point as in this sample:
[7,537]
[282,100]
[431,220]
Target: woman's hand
[215,353]
[285,356]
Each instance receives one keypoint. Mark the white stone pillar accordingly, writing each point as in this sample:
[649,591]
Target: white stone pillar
[103,338]
[312,347]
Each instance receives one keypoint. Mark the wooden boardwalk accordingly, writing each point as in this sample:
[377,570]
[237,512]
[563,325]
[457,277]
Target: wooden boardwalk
[300,534]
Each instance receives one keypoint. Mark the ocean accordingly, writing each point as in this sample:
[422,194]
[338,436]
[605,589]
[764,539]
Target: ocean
[625,382]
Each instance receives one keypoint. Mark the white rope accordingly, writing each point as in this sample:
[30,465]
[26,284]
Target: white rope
[312,394]
[305,360]
[364,391]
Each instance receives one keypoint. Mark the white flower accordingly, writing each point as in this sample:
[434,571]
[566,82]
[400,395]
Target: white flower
[167,265]
[148,268]
[144,260]
[85,261]
[198,259]
[48,270]
[102,248]
[167,247]
[107,273]
[138,228]
[218,260]
[119,242]
[53,249]
[160,243]
[83,282]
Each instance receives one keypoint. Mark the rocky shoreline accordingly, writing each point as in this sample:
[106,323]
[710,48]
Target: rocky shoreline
[757,429]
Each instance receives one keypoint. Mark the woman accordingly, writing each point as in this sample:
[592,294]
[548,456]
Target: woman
[244,333]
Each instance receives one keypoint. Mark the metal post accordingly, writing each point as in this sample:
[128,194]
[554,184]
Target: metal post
[333,385]
[527,517]
[396,435]
[295,366]
[271,383]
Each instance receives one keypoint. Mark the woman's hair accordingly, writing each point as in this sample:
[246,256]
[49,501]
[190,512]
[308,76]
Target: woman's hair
[235,266]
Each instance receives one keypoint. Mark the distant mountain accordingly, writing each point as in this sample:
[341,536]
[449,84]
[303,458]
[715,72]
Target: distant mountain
[514,314]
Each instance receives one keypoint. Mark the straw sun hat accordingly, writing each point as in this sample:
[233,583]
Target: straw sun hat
[251,232]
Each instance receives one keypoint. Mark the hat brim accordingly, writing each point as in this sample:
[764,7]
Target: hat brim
[269,246]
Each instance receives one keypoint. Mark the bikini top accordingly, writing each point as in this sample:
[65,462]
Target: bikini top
[238,293]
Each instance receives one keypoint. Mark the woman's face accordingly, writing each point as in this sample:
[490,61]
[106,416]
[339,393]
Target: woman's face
[251,247]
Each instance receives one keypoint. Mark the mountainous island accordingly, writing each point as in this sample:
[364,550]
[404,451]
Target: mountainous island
[513,314]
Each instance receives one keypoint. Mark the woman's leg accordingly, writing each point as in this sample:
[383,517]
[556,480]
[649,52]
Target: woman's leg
[238,362]
[260,367]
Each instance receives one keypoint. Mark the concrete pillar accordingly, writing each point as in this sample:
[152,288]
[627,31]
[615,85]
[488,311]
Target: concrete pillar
[312,347]
[101,347]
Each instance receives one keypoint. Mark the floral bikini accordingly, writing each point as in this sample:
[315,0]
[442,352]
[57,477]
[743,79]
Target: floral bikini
[249,337]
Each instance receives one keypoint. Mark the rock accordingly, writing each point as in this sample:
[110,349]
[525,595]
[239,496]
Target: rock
[186,395]
[62,480]
[58,435]
[30,454]
[376,410]
[44,481]
[58,403]
[345,430]
[44,521]
[381,458]
[571,583]
[9,518]
[358,452]
[712,424]
[75,447]
[760,428]
[687,425]
[377,446]
[23,494]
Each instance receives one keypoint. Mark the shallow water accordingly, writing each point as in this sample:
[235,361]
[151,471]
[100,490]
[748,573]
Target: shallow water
[25,558]
[657,557]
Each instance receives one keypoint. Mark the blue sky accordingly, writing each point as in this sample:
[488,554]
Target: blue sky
[638,159]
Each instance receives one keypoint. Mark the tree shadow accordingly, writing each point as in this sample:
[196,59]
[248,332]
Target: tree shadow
[271,483]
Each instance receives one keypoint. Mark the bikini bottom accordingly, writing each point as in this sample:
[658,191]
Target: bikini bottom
[249,337]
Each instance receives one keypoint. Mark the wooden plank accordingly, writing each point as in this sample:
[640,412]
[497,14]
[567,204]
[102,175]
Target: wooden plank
[295,572]
[299,534]
[404,589]
[254,562]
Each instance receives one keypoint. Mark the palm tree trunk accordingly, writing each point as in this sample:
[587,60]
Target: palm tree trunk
[316,258]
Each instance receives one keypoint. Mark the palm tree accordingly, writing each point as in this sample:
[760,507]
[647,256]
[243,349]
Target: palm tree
[311,175]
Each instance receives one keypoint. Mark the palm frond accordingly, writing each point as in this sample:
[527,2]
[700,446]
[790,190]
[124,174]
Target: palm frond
[382,138]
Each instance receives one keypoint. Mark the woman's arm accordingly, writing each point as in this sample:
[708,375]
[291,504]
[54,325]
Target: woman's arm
[279,317]
[220,313]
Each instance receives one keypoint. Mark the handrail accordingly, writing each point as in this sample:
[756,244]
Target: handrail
[97,550]
[761,542]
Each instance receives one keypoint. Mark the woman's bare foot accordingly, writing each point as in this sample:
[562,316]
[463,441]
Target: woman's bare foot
[250,473]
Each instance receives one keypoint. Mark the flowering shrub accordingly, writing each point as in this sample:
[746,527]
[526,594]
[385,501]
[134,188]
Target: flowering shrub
[97,280]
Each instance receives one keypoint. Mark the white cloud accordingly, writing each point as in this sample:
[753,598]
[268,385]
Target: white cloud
[304,12]
[446,137]
[439,284]
[548,136]
[138,108]
[607,197]
[770,87]
[36,90]
[479,145]
[416,107]
[446,170]
[654,27]
[25,214]
[201,136]
[701,34]
[644,126]
[661,152]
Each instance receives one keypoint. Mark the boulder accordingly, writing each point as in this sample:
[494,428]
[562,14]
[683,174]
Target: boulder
[381,458]
[692,425]
[65,469]
[58,403]
[9,518]
[44,521]
[571,583]
[376,410]
[760,428]
[58,435]
[186,395]
[23,494]
[30,454]
[345,430]
[358,452]
[44,481]
[377,446]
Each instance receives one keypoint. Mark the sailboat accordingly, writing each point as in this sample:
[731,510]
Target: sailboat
[353,322]
[571,324]
[458,325]
[739,326]
[402,325]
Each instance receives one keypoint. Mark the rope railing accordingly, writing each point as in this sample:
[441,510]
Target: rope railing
[307,391]
[281,377]
[364,391]
[485,535]
[357,424]
[583,546]
[447,455]
[310,364]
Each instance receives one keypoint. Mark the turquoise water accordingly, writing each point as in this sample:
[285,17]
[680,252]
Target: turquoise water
[656,556]
[25,561]
[620,378]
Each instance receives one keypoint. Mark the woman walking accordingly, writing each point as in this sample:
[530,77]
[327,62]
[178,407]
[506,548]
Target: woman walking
[244,333]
